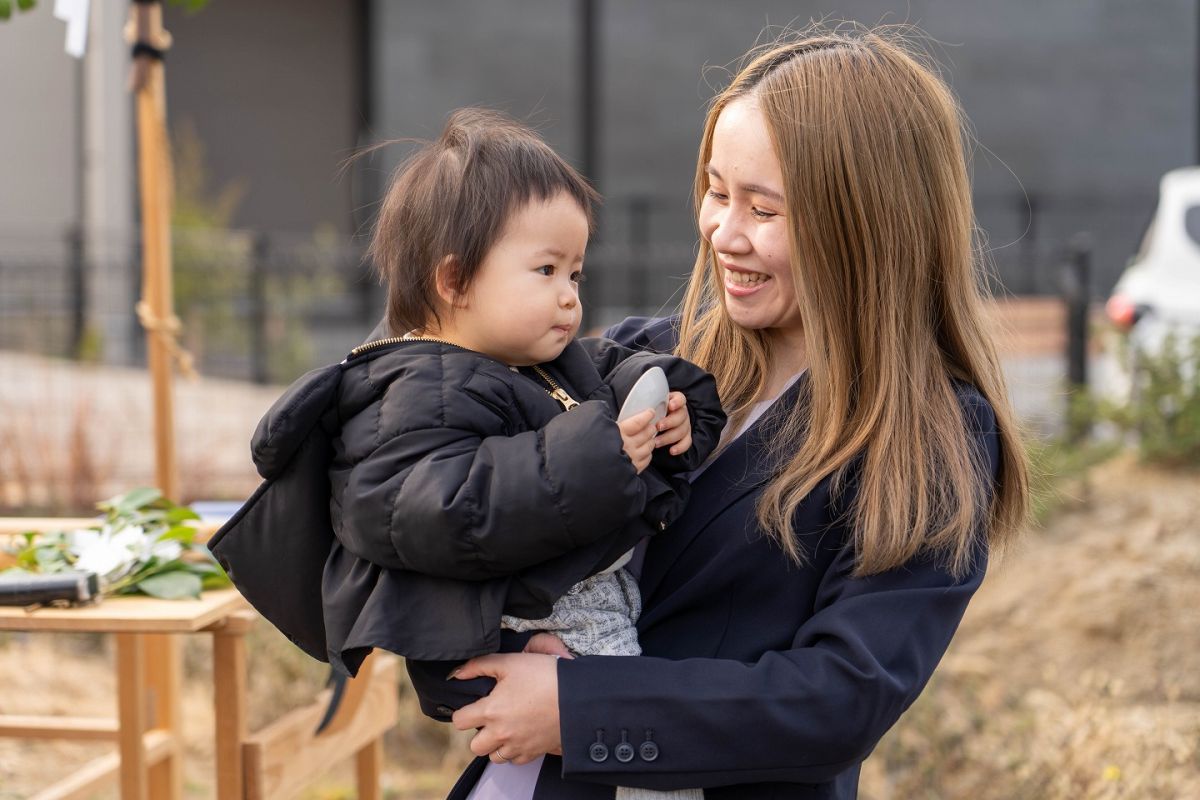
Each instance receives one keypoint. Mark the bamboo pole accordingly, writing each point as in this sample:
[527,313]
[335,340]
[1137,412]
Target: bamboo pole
[155,180]
[160,656]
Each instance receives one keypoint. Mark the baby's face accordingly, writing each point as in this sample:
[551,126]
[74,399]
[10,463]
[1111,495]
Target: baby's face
[523,306]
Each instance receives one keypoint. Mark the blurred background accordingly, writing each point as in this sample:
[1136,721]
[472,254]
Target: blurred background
[1078,108]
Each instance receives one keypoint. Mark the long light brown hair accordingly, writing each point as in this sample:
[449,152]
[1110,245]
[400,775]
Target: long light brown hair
[889,285]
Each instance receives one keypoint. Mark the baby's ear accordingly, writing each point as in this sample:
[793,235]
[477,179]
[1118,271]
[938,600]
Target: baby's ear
[447,278]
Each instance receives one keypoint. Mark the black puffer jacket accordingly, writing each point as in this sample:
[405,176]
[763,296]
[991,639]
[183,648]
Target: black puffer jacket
[458,490]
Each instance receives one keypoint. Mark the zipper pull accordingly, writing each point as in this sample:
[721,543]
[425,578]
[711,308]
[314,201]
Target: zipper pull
[568,402]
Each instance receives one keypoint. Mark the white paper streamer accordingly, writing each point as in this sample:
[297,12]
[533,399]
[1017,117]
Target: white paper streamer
[75,14]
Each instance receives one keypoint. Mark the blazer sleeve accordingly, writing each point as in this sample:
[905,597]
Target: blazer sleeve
[801,714]
[453,502]
[652,334]
[622,366]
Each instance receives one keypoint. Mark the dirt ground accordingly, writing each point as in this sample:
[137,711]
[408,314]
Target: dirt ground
[1076,674]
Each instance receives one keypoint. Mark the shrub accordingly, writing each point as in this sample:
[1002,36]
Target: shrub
[1163,412]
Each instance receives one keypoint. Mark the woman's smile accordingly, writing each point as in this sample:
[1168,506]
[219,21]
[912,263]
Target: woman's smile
[743,282]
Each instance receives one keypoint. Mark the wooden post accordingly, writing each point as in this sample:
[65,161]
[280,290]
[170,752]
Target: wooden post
[161,654]
[229,703]
[131,711]
[155,183]
[368,764]
[163,657]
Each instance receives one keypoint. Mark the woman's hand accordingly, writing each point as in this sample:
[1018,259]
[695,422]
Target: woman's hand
[520,716]
[638,436]
[675,428]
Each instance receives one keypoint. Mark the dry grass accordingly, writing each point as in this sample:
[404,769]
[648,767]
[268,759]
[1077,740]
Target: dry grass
[73,675]
[1076,673]
[71,434]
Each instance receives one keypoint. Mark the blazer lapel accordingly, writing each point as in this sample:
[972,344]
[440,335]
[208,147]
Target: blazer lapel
[742,468]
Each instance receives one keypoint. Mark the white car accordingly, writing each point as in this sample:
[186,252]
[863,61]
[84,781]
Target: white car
[1159,292]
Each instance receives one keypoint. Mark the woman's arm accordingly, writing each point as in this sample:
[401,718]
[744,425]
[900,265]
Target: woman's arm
[799,715]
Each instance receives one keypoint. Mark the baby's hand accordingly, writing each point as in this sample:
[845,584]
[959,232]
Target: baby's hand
[548,644]
[638,436]
[675,428]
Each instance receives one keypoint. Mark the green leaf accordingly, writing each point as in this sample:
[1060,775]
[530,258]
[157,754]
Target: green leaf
[215,579]
[180,533]
[25,5]
[132,500]
[179,514]
[145,518]
[173,585]
[5,9]
[209,570]
[48,559]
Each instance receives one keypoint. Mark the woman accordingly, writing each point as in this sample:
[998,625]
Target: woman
[801,603]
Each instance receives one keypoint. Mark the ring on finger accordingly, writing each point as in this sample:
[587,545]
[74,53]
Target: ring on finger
[498,755]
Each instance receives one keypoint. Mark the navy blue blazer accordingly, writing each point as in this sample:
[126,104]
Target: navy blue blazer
[758,678]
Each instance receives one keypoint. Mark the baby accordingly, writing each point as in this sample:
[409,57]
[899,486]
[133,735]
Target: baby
[479,453]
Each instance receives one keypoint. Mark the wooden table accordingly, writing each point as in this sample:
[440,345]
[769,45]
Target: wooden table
[149,674]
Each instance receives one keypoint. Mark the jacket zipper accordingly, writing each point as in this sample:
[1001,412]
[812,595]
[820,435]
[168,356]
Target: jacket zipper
[555,391]
[362,348]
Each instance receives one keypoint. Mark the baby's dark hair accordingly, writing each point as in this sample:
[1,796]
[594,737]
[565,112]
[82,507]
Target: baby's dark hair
[453,197]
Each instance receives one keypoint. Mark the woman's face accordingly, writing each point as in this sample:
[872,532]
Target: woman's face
[744,218]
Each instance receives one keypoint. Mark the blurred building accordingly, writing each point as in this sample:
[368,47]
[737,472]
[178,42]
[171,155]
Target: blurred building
[1078,108]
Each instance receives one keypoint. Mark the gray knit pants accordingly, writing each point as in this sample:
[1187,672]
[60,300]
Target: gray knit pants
[597,617]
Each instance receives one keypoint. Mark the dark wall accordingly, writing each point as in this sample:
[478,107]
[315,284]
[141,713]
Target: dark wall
[1079,104]
[274,90]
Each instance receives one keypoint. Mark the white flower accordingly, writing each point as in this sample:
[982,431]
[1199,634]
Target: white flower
[166,550]
[104,557]
[132,539]
[109,553]
[80,539]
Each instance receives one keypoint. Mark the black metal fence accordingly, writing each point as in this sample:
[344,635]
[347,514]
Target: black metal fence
[264,307]
[255,306]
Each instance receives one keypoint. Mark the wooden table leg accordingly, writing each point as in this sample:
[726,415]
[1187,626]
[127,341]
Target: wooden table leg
[163,657]
[368,764]
[229,701]
[131,716]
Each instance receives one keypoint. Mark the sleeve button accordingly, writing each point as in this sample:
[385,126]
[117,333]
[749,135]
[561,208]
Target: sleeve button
[648,751]
[445,711]
[598,752]
[624,752]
